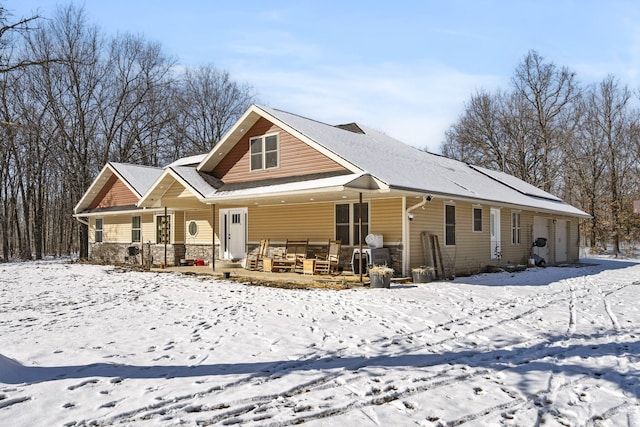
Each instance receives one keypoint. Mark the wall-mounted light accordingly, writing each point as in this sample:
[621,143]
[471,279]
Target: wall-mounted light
[429,198]
[410,216]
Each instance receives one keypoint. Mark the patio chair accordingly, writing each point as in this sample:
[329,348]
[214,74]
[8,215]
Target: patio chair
[255,261]
[293,259]
[329,264]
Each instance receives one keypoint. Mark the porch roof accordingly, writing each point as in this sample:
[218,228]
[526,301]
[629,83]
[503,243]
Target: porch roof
[356,182]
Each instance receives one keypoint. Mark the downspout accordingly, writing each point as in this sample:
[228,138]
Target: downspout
[407,220]
[360,235]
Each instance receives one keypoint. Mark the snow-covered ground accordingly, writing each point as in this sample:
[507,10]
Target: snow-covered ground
[92,345]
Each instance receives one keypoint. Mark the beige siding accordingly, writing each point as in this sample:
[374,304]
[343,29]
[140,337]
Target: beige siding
[179,230]
[472,249]
[204,221]
[304,221]
[514,253]
[148,228]
[316,221]
[117,228]
[386,219]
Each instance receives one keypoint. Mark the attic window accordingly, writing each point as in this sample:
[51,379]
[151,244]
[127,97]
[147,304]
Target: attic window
[264,152]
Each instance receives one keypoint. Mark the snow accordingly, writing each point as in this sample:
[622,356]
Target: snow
[96,345]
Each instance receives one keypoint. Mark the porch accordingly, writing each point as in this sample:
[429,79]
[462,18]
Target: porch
[345,279]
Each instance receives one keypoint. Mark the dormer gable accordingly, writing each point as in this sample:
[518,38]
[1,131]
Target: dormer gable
[267,151]
[114,193]
[262,146]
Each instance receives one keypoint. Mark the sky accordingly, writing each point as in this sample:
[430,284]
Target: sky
[404,67]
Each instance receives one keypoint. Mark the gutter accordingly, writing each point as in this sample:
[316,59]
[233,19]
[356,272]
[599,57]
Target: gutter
[80,220]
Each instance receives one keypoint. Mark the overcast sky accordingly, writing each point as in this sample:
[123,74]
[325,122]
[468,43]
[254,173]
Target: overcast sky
[403,67]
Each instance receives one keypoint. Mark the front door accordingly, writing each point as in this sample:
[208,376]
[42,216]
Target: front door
[562,238]
[233,229]
[494,227]
[541,229]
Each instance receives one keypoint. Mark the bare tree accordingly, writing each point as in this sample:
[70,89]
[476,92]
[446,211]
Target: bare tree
[208,102]
[610,113]
[549,92]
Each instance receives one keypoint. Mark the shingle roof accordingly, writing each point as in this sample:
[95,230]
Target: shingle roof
[405,167]
[140,178]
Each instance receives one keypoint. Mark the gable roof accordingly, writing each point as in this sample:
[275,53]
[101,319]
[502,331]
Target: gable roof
[401,166]
[138,179]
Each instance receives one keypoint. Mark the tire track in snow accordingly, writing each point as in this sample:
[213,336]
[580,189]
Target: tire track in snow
[258,404]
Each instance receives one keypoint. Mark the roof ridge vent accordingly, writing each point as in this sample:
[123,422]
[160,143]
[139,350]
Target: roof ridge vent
[351,127]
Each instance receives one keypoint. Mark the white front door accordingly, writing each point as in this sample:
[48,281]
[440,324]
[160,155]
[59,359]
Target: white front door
[233,230]
[562,238]
[494,226]
[541,229]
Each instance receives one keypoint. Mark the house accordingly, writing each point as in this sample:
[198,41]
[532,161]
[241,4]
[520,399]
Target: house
[281,176]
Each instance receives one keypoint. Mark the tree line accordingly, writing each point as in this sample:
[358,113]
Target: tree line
[73,98]
[580,142]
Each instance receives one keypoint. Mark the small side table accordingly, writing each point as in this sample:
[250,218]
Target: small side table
[308,266]
[267,265]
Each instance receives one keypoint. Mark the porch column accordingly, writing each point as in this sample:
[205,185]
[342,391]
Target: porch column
[213,237]
[360,235]
[165,235]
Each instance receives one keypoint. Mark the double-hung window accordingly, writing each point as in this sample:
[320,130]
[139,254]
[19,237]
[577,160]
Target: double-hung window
[515,228]
[449,225]
[136,232]
[477,219]
[264,152]
[99,230]
[348,222]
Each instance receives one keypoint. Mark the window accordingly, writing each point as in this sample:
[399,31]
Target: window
[477,219]
[449,225]
[192,228]
[99,228]
[515,228]
[347,222]
[163,229]
[264,152]
[135,229]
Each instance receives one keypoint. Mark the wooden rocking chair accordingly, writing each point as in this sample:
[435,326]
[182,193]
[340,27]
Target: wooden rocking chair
[255,261]
[293,260]
[330,263]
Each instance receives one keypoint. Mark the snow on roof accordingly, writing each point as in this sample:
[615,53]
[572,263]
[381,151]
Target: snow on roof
[405,167]
[140,178]
[202,183]
[515,183]
[191,160]
[295,186]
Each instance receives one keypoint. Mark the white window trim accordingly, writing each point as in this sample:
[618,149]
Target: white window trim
[519,228]
[263,140]
[197,228]
[455,214]
[352,219]
[473,219]
[140,229]
[95,229]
